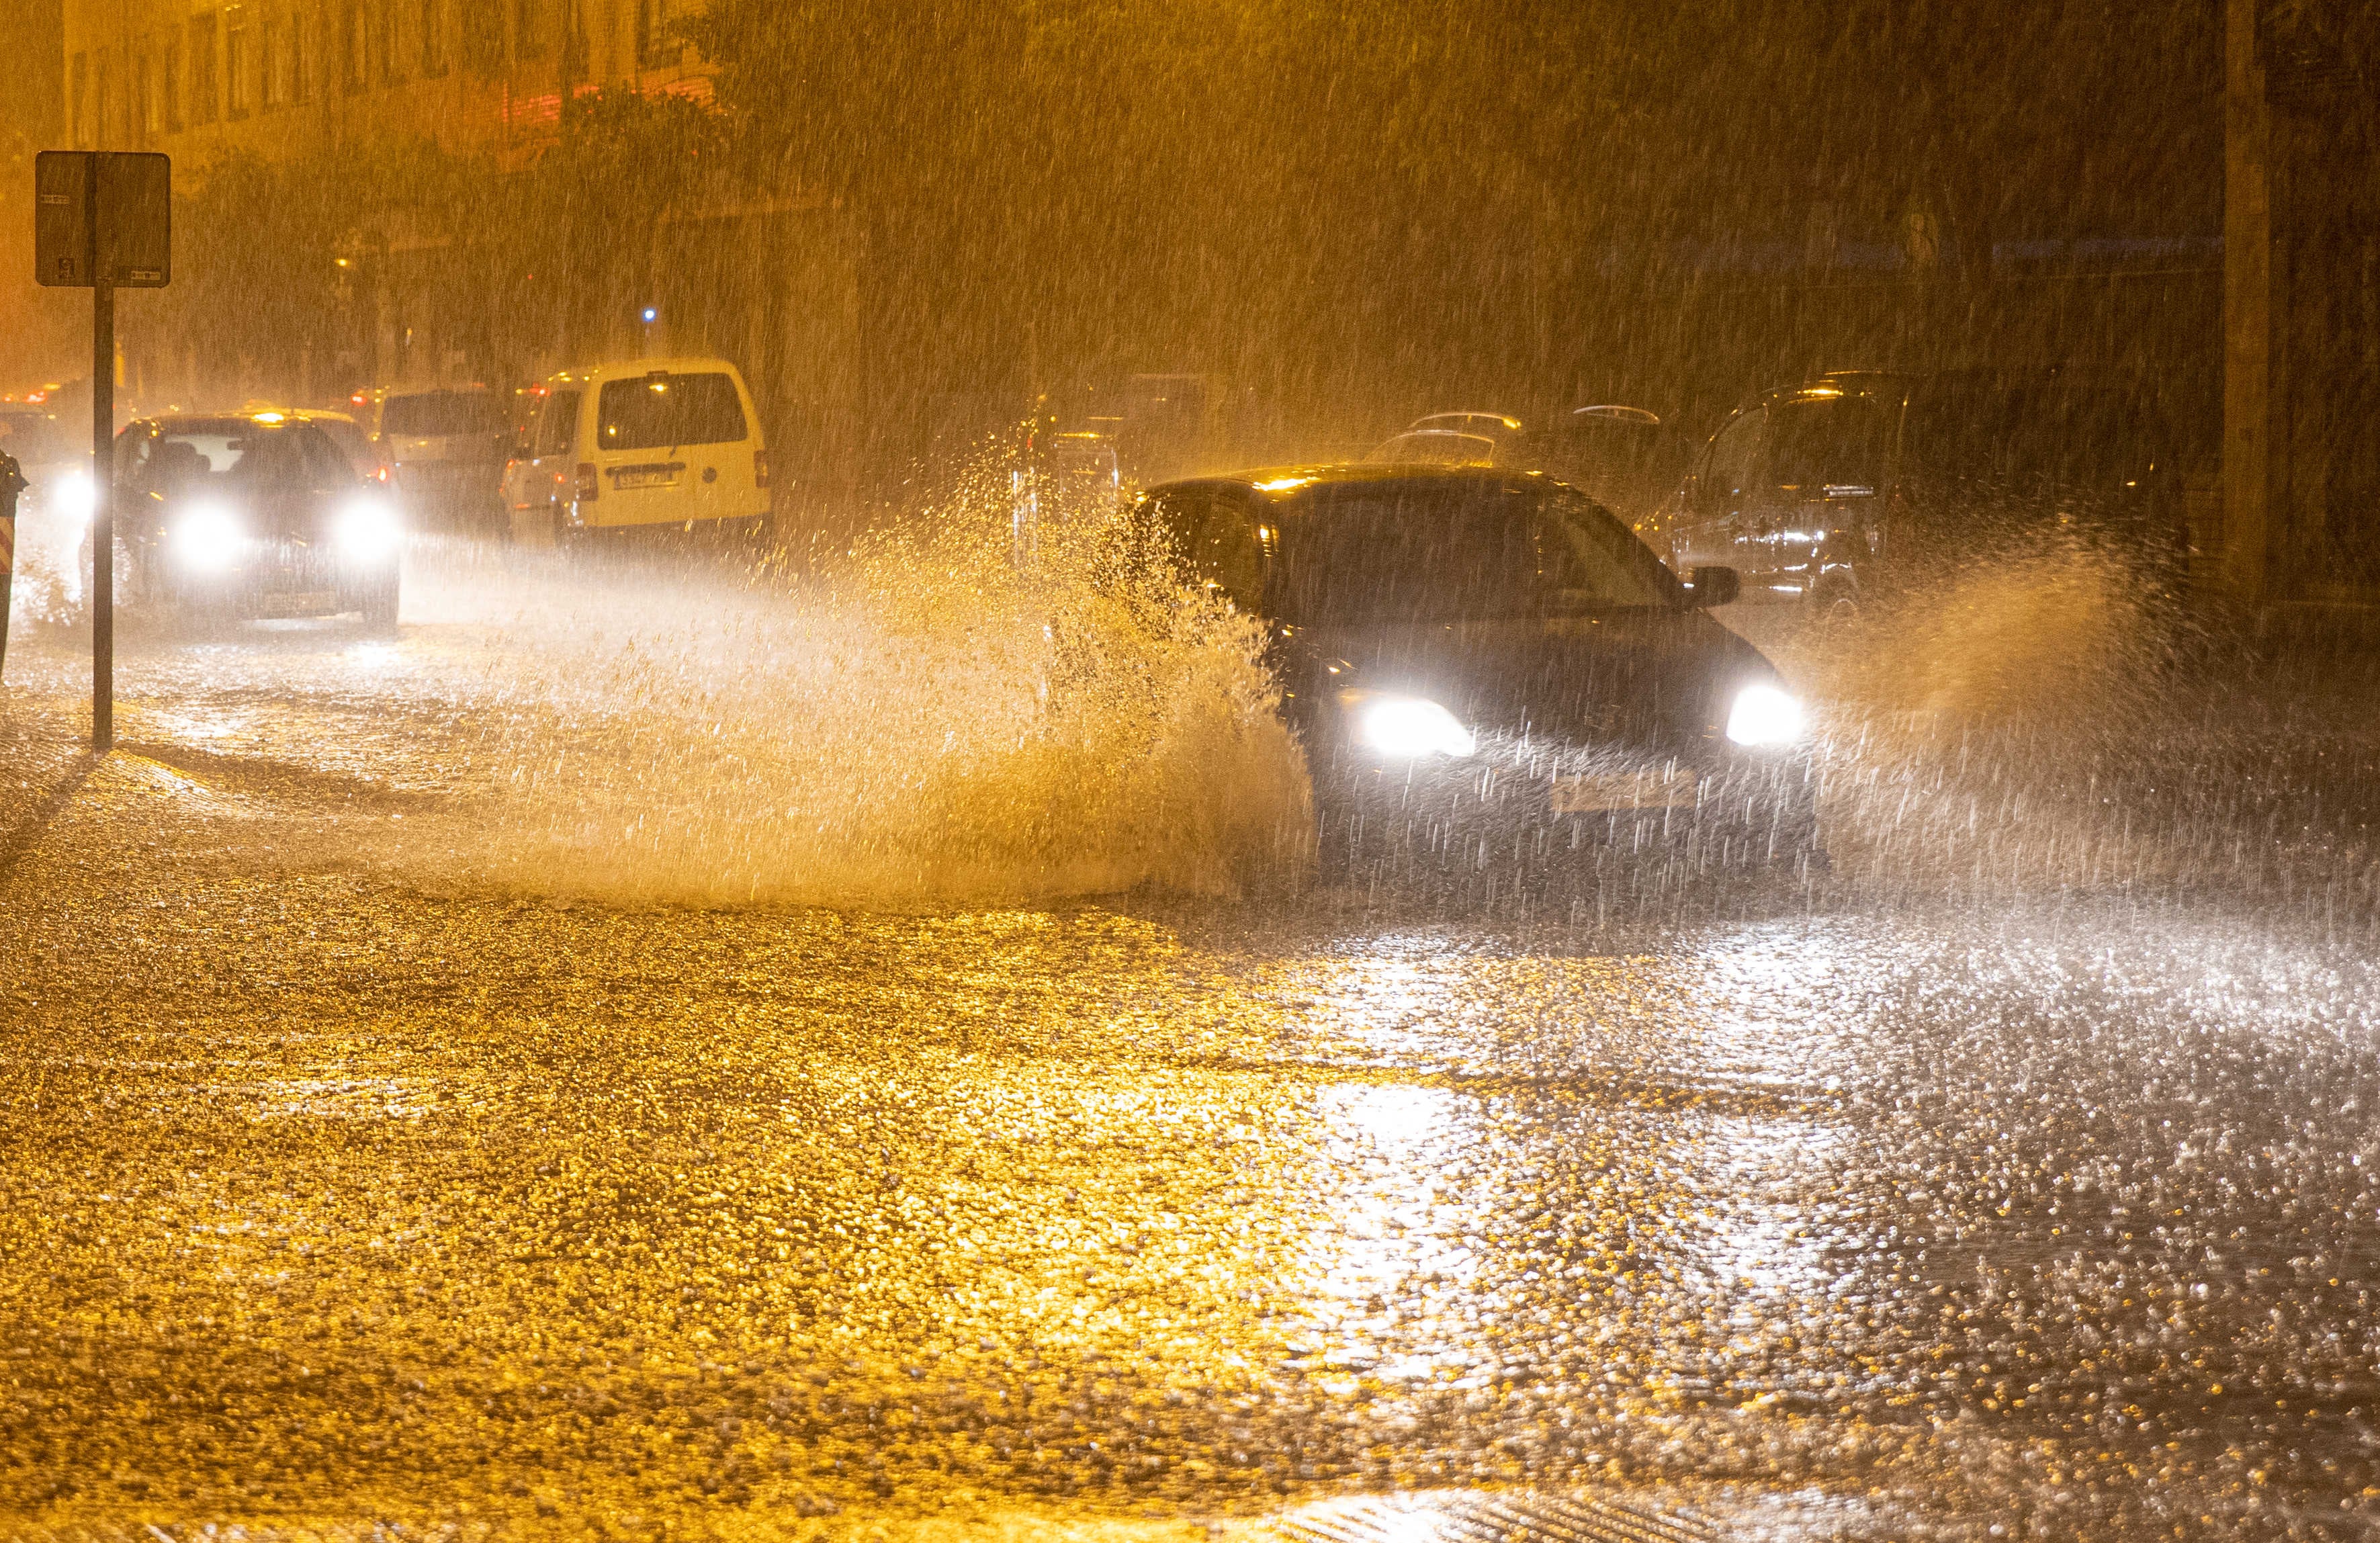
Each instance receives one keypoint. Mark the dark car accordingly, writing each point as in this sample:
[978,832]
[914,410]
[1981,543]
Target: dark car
[1486,665]
[252,515]
[1857,483]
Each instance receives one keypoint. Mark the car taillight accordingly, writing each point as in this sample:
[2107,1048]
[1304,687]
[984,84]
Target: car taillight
[588,485]
[760,468]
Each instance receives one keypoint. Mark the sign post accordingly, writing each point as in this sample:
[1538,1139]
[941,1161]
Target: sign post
[102,220]
[12,482]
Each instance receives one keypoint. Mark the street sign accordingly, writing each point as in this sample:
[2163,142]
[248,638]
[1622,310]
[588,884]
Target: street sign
[80,196]
[103,219]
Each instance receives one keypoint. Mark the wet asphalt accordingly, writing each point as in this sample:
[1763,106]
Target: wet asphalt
[2020,1180]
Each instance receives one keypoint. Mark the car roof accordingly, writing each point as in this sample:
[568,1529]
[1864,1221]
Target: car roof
[629,370]
[263,417]
[1277,483]
[1505,421]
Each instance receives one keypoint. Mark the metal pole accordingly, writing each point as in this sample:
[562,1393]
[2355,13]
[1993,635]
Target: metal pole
[12,481]
[102,466]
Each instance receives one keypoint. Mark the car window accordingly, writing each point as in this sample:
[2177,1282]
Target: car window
[1217,540]
[432,414]
[663,410]
[1592,560]
[1438,550]
[349,438]
[326,465]
[1829,442]
[1734,460]
[557,424]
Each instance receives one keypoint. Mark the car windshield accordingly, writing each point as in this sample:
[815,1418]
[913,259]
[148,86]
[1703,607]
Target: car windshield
[1428,550]
[225,453]
[33,436]
[433,414]
[660,410]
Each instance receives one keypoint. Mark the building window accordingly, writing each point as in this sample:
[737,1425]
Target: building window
[433,37]
[657,40]
[272,58]
[392,55]
[77,99]
[102,113]
[352,71]
[172,85]
[529,29]
[305,55]
[239,68]
[147,116]
[205,101]
[483,37]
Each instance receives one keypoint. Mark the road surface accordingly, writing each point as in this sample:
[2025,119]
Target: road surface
[440,1087]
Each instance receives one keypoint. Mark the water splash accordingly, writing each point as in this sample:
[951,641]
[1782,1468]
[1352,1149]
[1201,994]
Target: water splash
[917,721]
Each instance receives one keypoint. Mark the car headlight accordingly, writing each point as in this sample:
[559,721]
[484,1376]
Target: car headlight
[368,529]
[1410,727]
[1764,715]
[208,538]
[73,496]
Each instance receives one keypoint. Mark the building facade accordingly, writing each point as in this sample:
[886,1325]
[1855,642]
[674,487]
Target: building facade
[196,78]
[2301,305]
[767,281]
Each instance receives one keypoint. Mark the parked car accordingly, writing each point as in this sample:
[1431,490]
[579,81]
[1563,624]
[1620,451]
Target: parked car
[252,515]
[445,449]
[1487,425]
[1625,458]
[1434,447]
[1622,457]
[1061,481]
[1856,483]
[54,515]
[640,445]
[1483,662]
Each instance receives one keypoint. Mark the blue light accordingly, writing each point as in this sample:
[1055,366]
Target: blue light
[653,313]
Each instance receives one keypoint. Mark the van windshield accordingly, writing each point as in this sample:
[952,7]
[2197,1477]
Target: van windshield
[435,414]
[663,410]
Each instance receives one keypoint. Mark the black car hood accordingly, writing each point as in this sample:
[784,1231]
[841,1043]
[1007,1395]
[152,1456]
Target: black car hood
[1656,677]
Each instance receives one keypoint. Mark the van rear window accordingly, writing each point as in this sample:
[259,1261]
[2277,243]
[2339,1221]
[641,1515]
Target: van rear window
[659,410]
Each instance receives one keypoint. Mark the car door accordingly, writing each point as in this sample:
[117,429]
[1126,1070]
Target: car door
[1714,533]
[1820,478]
[546,480]
[672,445]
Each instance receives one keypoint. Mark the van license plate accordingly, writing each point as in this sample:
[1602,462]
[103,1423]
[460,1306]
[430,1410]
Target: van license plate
[645,477]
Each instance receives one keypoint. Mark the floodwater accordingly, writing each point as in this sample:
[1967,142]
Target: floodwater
[701,1055]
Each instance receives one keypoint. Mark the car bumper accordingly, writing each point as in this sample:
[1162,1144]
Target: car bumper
[1587,810]
[286,582]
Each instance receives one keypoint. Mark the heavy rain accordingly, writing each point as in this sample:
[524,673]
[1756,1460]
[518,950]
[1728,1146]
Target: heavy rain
[1413,771]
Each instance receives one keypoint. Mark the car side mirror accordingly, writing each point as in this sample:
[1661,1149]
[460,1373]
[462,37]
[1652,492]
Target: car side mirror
[1708,587]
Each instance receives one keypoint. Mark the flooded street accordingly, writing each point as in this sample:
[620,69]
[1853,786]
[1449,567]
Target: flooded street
[445,1087]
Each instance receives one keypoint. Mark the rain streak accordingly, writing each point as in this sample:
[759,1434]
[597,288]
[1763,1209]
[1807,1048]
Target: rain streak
[1527,772]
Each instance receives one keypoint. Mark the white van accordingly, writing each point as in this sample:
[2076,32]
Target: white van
[648,442]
